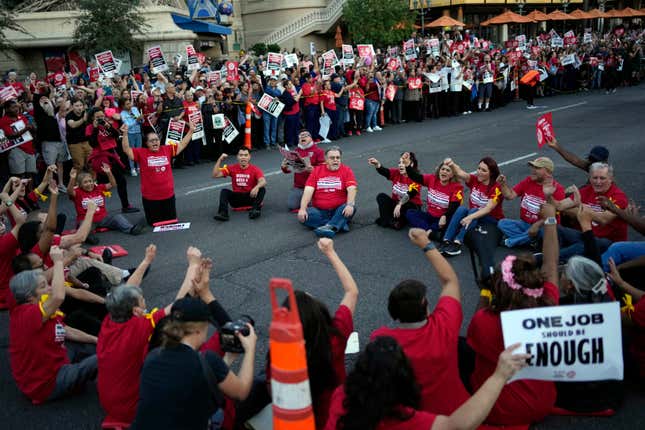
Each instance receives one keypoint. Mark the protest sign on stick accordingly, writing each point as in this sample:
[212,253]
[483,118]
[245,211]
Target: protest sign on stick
[409,50]
[175,132]
[544,129]
[348,55]
[230,132]
[106,63]
[567,343]
[270,105]
[192,60]
[274,62]
[157,61]
[195,118]
[232,71]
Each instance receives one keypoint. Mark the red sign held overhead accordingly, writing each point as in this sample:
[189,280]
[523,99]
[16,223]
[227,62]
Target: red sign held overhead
[544,129]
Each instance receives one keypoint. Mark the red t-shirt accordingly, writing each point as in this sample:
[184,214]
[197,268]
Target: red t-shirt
[616,231]
[329,99]
[432,351]
[480,194]
[523,401]
[533,197]
[638,335]
[36,350]
[330,186]
[311,96]
[8,249]
[157,182]
[22,205]
[440,196]
[418,420]
[189,109]
[120,352]
[242,180]
[295,108]
[5,125]
[81,199]
[105,139]
[316,157]
[402,184]
[47,260]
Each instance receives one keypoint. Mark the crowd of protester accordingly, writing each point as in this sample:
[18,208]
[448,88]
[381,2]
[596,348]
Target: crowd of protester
[75,317]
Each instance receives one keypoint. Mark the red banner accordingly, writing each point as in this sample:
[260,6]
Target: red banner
[231,71]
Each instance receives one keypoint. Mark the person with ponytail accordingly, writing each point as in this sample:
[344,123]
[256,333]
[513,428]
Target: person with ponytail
[518,284]
[381,393]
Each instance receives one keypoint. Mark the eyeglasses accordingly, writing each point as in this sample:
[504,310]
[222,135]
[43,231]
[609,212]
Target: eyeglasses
[334,157]
[154,139]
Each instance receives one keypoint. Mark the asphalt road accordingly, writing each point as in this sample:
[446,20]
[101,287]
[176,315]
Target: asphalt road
[248,253]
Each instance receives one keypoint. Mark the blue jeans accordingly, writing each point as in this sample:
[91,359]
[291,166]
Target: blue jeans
[270,129]
[371,110]
[332,217]
[116,222]
[135,141]
[340,125]
[333,118]
[571,243]
[312,118]
[456,232]
[421,219]
[291,129]
[515,230]
[622,252]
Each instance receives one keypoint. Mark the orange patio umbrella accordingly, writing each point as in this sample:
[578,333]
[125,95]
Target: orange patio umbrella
[537,15]
[339,37]
[580,14]
[633,12]
[558,15]
[595,13]
[507,18]
[445,21]
[614,13]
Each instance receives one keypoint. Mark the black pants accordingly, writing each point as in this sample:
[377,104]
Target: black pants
[228,197]
[159,210]
[121,183]
[386,208]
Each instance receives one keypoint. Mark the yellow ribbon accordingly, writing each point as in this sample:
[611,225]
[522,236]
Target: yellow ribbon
[149,316]
[485,292]
[107,194]
[43,299]
[42,197]
[629,306]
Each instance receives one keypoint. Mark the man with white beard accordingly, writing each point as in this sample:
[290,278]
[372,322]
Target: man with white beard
[53,148]
[310,156]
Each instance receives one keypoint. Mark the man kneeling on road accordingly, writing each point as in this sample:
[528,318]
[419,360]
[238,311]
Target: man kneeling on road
[248,185]
[331,189]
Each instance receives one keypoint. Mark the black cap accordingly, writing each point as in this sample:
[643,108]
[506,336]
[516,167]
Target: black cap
[598,153]
[334,76]
[189,309]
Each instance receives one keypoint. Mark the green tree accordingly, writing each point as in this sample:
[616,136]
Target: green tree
[8,22]
[259,48]
[109,24]
[378,22]
[273,47]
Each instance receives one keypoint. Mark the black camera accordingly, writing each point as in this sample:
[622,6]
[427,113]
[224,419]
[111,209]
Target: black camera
[227,338]
[101,121]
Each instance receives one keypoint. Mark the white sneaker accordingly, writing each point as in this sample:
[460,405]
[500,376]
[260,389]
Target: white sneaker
[326,141]
[377,128]
[369,129]
[469,112]
[133,172]
[531,107]
[465,113]
[613,91]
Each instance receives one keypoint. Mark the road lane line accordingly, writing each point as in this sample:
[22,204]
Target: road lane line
[514,160]
[562,108]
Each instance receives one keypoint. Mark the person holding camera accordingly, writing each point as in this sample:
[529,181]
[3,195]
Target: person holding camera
[181,387]
[103,138]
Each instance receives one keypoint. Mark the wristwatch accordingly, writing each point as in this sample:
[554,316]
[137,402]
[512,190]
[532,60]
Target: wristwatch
[429,247]
[8,202]
[550,221]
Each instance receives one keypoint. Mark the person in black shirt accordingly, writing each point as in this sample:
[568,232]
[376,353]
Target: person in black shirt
[77,142]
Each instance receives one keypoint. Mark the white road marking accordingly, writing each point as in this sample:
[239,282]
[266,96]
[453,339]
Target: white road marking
[224,184]
[514,160]
[562,108]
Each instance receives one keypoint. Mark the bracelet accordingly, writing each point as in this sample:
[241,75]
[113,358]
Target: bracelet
[429,247]
[350,204]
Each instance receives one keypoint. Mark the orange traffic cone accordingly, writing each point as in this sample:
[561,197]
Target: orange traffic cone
[292,408]
[247,128]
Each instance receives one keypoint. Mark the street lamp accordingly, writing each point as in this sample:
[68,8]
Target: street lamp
[520,5]
[420,4]
[565,5]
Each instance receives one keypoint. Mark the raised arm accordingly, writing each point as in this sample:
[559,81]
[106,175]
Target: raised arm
[71,193]
[350,298]
[57,295]
[447,276]
[550,246]
[458,171]
[568,156]
[217,170]
[194,257]
[84,229]
[7,203]
[186,140]
[137,276]
[507,192]
[630,214]
[125,143]
[379,167]
[45,241]
[201,288]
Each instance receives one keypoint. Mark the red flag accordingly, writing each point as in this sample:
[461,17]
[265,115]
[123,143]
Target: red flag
[544,129]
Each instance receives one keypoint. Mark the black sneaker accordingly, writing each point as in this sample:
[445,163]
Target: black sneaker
[221,216]
[444,245]
[92,239]
[254,213]
[137,229]
[107,256]
[453,249]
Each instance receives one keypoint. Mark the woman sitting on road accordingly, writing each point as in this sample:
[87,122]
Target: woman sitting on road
[406,193]
[484,204]
[381,393]
[444,197]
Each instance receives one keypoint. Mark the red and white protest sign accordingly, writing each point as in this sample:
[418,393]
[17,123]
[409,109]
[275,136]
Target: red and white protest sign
[331,55]
[409,50]
[192,60]
[230,132]
[570,40]
[232,73]
[513,56]
[94,72]
[106,63]
[485,45]
[535,50]
[544,129]
[175,132]
[7,144]
[134,95]
[415,83]
[59,78]
[270,105]
[196,119]
[157,61]
[214,78]
[348,55]
[393,63]
[8,93]
[356,100]
[511,44]
[365,51]
[390,92]
[274,62]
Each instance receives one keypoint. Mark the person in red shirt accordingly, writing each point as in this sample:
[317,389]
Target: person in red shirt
[484,204]
[328,107]
[157,183]
[123,340]
[291,96]
[41,361]
[310,156]
[12,79]
[531,192]
[9,245]
[311,104]
[406,193]
[16,127]
[381,393]
[331,189]
[248,185]
[88,190]
[429,339]
[519,284]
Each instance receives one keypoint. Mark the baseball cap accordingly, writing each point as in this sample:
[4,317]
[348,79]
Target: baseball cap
[598,153]
[542,162]
[189,309]
[199,88]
